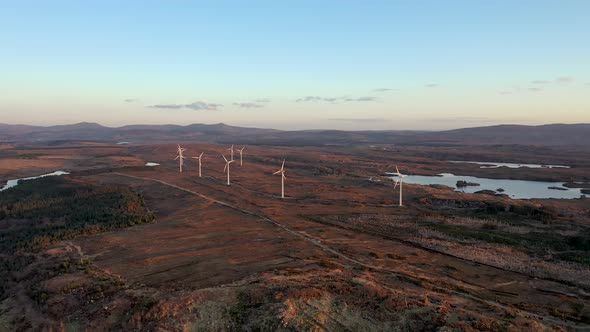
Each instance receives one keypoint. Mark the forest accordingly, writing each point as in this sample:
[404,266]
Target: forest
[40,212]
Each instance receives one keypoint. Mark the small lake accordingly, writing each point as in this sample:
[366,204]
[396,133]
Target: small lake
[519,189]
[487,164]
[14,183]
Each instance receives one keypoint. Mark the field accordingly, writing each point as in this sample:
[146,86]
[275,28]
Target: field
[336,254]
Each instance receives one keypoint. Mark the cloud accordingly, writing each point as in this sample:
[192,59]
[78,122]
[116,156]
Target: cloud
[383,90]
[167,106]
[366,98]
[358,119]
[432,85]
[262,100]
[199,105]
[312,99]
[248,105]
[335,99]
[130,100]
[196,106]
[564,79]
[535,89]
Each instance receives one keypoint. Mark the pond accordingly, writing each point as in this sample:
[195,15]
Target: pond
[519,189]
[488,164]
[13,183]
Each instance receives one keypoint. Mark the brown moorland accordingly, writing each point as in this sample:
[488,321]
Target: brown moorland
[337,253]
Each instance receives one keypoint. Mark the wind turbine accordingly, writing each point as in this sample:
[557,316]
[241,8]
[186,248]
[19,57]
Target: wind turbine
[399,181]
[283,177]
[180,157]
[241,150]
[231,151]
[227,162]
[199,157]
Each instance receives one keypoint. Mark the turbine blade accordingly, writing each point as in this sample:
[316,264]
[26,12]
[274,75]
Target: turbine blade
[283,165]
[224,158]
[201,154]
[176,157]
[397,169]
[277,172]
[225,167]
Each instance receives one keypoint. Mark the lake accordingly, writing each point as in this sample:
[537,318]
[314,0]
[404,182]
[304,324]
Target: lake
[13,183]
[519,189]
[487,164]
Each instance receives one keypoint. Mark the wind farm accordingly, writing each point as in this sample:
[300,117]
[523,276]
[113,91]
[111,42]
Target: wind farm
[180,157]
[199,158]
[281,172]
[226,167]
[399,180]
[342,223]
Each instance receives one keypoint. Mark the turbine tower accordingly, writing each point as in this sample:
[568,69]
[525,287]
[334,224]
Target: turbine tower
[199,157]
[399,181]
[227,162]
[231,152]
[241,151]
[180,157]
[283,177]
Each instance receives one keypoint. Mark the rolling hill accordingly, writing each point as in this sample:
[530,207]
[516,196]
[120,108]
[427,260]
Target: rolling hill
[544,135]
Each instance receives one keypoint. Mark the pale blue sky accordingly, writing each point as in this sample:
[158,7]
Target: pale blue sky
[295,64]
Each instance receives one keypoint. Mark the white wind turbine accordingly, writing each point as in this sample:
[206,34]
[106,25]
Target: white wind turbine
[180,157]
[400,181]
[227,162]
[241,151]
[231,151]
[283,177]
[199,157]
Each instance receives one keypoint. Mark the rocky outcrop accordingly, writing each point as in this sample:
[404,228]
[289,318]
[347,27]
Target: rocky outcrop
[486,192]
[440,186]
[461,184]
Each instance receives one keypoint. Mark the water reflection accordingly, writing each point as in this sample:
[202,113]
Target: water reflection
[486,164]
[512,188]
[13,183]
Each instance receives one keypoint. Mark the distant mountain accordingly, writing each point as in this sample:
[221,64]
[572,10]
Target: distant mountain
[131,133]
[553,134]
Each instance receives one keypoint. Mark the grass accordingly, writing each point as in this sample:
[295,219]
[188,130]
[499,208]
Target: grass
[533,241]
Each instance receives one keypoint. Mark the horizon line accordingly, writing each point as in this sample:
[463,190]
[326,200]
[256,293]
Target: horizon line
[311,129]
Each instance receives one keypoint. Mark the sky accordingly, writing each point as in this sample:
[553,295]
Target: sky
[292,65]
